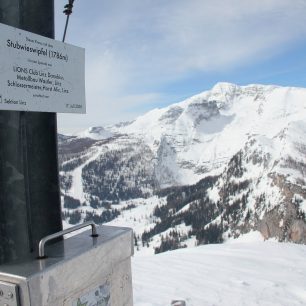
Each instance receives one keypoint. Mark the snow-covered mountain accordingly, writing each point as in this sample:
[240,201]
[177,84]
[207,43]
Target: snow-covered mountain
[218,164]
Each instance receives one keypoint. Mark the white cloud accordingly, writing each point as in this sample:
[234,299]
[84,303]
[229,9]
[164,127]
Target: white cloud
[134,46]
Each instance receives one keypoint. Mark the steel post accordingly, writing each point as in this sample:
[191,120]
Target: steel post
[29,184]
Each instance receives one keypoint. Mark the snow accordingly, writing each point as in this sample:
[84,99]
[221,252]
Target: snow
[252,236]
[244,273]
[139,218]
[76,189]
[96,133]
[213,194]
[302,201]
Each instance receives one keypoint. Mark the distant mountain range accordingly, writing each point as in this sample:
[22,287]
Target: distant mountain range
[219,164]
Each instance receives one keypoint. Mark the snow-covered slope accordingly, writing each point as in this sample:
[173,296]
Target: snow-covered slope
[240,274]
[240,149]
[201,134]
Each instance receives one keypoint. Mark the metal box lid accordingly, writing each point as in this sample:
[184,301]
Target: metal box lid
[69,249]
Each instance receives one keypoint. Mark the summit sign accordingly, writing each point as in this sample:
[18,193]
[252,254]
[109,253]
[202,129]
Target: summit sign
[40,74]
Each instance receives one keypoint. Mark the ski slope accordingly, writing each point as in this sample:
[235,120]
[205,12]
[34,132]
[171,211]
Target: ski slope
[239,273]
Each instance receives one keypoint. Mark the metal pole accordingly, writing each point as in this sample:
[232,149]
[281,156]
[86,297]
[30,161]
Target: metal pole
[29,184]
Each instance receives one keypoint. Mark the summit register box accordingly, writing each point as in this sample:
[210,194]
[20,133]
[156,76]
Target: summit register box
[92,268]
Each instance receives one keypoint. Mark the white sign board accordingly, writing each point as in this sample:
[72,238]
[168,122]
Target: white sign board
[40,74]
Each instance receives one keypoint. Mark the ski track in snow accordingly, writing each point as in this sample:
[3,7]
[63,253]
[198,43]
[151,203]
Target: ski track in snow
[76,190]
[231,274]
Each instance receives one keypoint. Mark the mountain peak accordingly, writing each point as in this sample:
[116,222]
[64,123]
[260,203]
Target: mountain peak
[96,132]
[224,86]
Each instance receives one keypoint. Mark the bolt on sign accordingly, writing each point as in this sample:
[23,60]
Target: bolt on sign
[40,74]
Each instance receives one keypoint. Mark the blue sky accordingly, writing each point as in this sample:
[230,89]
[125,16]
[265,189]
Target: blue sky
[142,54]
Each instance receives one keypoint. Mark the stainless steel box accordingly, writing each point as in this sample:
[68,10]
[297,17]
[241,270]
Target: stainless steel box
[79,271]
